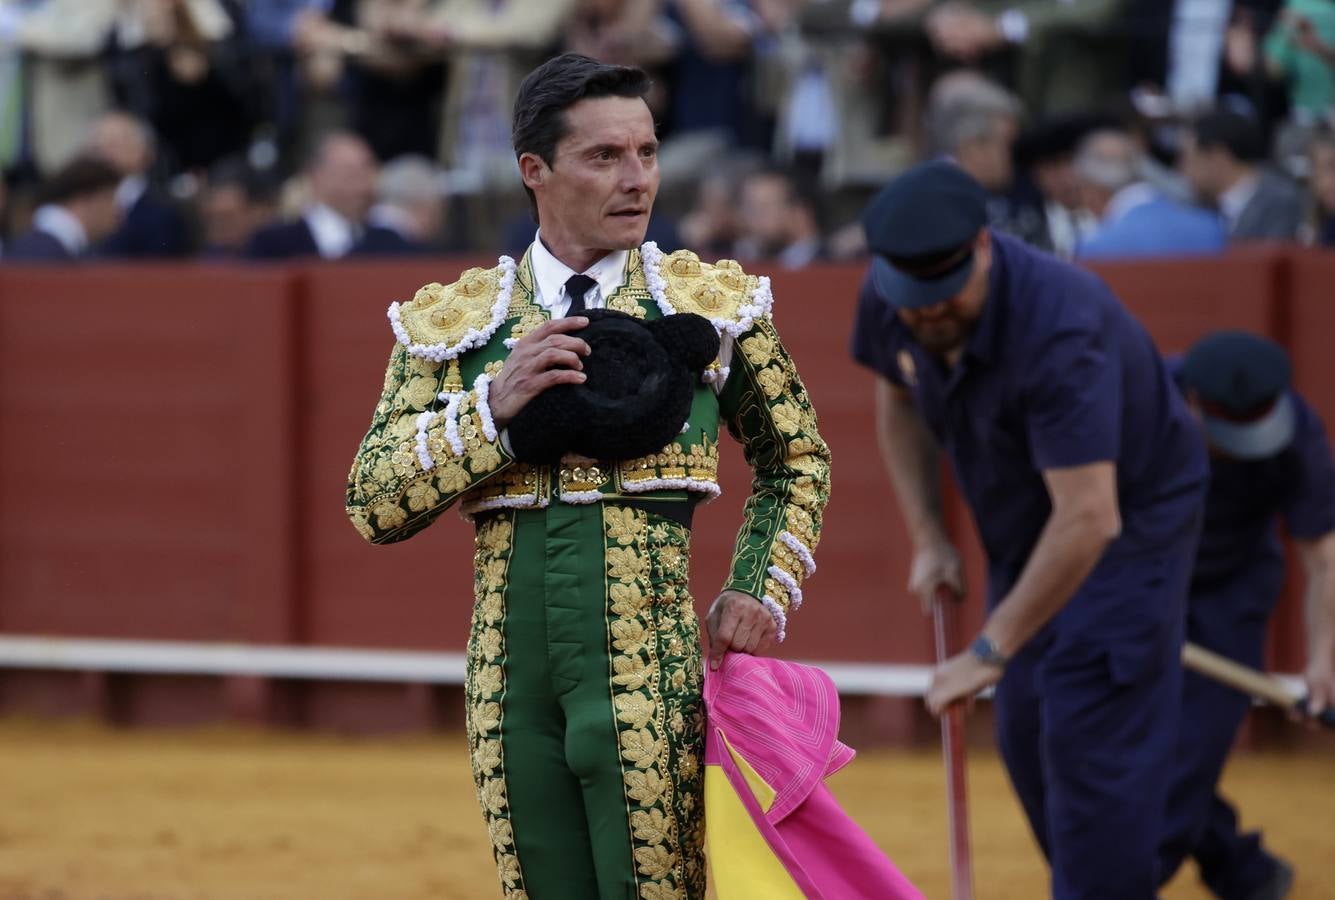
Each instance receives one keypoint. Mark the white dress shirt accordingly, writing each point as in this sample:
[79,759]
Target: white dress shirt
[1234,200]
[61,224]
[334,235]
[128,192]
[550,276]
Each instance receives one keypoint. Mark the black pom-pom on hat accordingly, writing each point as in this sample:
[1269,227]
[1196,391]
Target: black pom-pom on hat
[641,378]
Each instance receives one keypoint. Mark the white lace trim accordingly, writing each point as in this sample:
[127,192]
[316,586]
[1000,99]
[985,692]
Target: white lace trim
[423,451]
[762,301]
[581,497]
[475,337]
[762,298]
[672,484]
[716,376]
[652,258]
[780,620]
[524,501]
[789,584]
[482,387]
[452,403]
[800,550]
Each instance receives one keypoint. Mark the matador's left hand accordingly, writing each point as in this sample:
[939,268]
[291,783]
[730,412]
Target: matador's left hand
[738,622]
[960,678]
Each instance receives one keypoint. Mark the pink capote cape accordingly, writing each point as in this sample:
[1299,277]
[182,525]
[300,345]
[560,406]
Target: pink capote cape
[772,827]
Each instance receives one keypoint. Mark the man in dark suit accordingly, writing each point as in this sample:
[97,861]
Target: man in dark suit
[1222,156]
[78,208]
[341,177]
[152,227]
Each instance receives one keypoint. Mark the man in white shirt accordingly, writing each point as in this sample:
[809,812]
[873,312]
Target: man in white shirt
[78,208]
[341,177]
[151,226]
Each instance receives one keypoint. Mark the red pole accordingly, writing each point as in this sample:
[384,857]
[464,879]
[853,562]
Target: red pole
[952,743]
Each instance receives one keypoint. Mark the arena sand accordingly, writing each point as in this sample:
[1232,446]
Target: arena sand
[92,814]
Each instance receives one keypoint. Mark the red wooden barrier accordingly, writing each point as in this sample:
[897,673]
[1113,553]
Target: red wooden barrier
[174,443]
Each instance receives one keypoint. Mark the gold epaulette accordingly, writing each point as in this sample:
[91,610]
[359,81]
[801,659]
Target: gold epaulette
[442,321]
[720,292]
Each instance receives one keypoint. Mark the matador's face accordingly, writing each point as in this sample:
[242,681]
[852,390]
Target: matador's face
[600,187]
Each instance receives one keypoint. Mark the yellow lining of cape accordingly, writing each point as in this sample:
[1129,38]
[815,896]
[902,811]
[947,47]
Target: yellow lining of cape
[742,863]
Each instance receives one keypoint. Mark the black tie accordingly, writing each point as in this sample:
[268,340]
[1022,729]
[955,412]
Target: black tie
[576,287]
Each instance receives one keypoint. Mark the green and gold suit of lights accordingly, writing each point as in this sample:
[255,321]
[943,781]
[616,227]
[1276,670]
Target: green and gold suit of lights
[584,667]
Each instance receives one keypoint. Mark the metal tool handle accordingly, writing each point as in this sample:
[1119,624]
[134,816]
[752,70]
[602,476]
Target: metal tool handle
[952,742]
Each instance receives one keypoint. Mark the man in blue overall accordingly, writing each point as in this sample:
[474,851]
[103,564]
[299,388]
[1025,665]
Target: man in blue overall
[1086,475]
[1269,459]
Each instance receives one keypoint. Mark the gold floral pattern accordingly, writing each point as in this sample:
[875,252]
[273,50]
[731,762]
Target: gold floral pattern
[445,314]
[387,479]
[767,408]
[656,681]
[484,695]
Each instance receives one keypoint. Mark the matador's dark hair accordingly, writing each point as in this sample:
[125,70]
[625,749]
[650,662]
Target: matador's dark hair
[555,86]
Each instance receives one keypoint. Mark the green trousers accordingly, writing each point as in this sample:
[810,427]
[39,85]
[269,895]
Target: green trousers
[585,715]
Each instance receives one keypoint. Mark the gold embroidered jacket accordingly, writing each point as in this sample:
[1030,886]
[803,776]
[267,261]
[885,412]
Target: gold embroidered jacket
[432,441]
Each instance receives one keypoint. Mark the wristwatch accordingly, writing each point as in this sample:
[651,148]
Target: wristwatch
[986,651]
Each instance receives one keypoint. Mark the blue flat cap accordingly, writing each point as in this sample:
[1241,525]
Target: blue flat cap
[1246,378]
[920,230]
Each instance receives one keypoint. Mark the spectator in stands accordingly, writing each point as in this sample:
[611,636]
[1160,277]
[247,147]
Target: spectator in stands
[1045,155]
[489,46]
[151,226]
[1300,50]
[410,202]
[1135,220]
[236,203]
[712,226]
[780,221]
[975,122]
[620,32]
[78,208]
[182,67]
[1068,54]
[395,86]
[1321,159]
[1222,158]
[304,45]
[340,179]
[68,82]
[711,81]
[1195,54]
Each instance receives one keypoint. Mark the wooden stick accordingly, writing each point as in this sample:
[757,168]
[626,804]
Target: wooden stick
[952,744]
[1248,681]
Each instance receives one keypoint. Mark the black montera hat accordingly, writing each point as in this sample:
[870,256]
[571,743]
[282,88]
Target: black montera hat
[641,379]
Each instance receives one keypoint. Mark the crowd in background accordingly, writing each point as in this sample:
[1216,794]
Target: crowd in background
[278,129]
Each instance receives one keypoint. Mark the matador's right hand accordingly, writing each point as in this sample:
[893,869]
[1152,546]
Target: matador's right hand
[934,565]
[545,358]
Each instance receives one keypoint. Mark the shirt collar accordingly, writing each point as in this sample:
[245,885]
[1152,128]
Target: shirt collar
[129,191]
[550,274]
[62,225]
[1234,200]
[333,234]
[1127,199]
